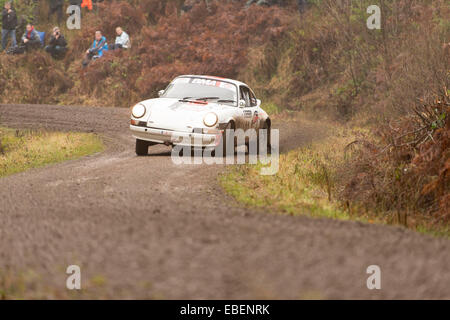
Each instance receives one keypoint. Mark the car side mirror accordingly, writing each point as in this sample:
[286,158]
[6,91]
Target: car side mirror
[242,103]
[160,93]
[258,102]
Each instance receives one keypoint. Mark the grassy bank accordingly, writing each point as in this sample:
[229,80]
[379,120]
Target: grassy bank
[311,181]
[21,150]
[304,184]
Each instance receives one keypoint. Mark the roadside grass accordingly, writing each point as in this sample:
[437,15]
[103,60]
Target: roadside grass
[308,183]
[304,183]
[21,150]
[271,108]
[31,285]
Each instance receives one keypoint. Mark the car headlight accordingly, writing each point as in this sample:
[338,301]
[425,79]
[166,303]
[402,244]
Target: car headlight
[210,120]
[139,111]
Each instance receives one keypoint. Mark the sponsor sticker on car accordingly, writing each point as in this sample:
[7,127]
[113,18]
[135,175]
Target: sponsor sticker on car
[207,82]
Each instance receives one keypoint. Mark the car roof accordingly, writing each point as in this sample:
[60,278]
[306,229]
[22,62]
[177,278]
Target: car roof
[238,83]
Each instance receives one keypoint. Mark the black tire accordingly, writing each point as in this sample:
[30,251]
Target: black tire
[266,126]
[142,147]
[227,136]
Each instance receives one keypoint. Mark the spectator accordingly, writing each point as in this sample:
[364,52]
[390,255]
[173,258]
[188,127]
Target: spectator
[58,45]
[258,2]
[9,25]
[96,51]
[30,39]
[56,7]
[76,3]
[94,3]
[189,4]
[302,5]
[87,4]
[36,9]
[122,40]
[268,3]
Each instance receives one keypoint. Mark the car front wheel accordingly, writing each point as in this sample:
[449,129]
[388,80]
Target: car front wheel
[142,147]
[227,136]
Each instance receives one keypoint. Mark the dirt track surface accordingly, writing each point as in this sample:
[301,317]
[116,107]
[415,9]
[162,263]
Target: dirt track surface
[146,228]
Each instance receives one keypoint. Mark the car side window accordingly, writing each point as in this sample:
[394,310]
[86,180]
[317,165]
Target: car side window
[253,101]
[245,95]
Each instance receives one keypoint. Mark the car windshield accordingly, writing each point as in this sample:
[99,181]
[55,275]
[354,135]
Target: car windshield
[188,88]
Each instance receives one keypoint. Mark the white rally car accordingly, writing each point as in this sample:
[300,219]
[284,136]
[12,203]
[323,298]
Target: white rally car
[196,111]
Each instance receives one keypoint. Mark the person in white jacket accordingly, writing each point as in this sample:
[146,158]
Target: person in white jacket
[122,40]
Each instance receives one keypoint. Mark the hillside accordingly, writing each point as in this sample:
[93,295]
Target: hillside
[96,202]
[391,84]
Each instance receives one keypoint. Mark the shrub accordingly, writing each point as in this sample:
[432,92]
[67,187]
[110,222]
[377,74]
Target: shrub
[331,54]
[32,78]
[406,170]
[213,40]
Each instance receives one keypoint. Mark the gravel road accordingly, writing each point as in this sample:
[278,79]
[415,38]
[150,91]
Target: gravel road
[143,227]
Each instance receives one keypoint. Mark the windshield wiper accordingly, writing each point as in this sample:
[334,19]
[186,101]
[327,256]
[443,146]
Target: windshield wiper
[225,100]
[208,98]
[197,101]
[185,99]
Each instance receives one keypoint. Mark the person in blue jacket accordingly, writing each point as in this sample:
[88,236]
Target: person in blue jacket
[96,51]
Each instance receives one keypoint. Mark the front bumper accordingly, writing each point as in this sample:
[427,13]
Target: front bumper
[176,137]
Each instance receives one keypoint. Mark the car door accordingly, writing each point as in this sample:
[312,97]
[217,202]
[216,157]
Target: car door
[248,109]
[256,117]
[251,108]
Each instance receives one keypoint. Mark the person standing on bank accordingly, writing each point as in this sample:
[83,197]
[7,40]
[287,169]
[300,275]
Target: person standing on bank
[56,7]
[9,25]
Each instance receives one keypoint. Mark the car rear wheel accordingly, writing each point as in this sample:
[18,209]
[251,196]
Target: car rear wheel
[142,147]
[267,129]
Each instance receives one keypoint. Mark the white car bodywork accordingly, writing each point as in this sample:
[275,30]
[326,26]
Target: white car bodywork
[190,121]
